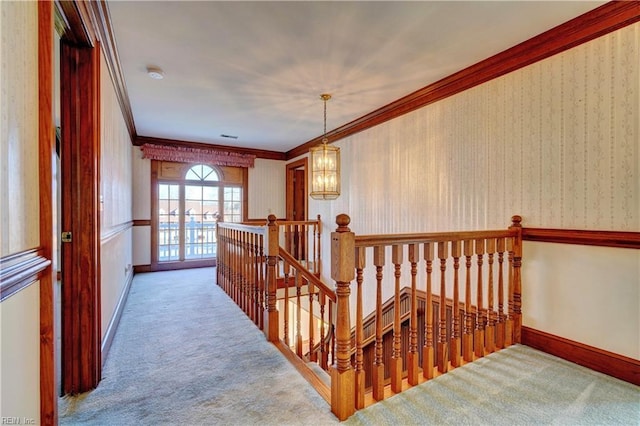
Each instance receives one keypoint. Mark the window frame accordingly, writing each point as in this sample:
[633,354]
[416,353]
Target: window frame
[179,178]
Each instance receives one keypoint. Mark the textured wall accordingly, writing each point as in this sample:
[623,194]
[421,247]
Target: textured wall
[115,159]
[19,205]
[557,142]
[267,189]
[116,207]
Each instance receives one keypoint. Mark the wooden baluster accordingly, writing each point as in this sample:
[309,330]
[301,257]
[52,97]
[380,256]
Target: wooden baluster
[343,268]
[396,355]
[261,282]
[307,231]
[443,346]
[490,338]
[271,316]
[378,365]
[323,349]
[287,239]
[360,374]
[501,315]
[331,345]
[428,357]
[233,274]
[480,315]
[508,333]
[316,266]
[312,355]
[243,272]
[298,282]
[286,270]
[468,315]
[412,355]
[456,360]
[517,280]
[253,277]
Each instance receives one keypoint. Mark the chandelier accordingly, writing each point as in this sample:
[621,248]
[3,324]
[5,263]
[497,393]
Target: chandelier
[325,165]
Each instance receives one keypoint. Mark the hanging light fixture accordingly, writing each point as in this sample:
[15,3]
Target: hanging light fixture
[325,165]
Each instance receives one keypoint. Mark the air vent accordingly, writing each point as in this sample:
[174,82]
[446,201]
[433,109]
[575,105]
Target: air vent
[228,136]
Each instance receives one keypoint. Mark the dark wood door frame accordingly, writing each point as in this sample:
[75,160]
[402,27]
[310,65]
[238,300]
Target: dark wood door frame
[47,149]
[293,201]
[80,171]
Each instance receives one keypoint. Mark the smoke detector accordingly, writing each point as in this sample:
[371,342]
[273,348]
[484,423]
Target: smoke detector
[155,73]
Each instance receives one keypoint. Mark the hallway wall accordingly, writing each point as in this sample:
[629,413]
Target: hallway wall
[556,142]
[19,207]
[116,206]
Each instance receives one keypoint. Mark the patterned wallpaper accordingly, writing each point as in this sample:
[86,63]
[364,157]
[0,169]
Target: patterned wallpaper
[556,142]
[116,158]
[19,204]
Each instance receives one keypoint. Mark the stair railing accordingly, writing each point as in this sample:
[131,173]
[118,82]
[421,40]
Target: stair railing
[481,319]
[259,274]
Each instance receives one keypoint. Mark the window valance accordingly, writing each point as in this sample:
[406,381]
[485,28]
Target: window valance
[196,155]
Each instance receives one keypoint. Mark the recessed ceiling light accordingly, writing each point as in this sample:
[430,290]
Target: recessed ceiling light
[155,73]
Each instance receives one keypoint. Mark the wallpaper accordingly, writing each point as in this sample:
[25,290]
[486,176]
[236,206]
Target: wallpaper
[115,162]
[556,142]
[19,204]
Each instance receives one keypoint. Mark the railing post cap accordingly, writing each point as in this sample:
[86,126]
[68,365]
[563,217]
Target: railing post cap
[516,220]
[271,218]
[343,221]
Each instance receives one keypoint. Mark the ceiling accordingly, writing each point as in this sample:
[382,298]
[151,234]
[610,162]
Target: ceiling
[256,70]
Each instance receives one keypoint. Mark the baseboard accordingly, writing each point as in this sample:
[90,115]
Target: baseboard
[609,363]
[115,319]
[138,269]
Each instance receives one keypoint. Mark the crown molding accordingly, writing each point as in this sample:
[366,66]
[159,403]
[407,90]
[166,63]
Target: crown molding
[593,24]
[259,153]
[84,23]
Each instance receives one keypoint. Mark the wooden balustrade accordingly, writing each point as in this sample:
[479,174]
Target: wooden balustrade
[425,329]
[260,276]
[462,321]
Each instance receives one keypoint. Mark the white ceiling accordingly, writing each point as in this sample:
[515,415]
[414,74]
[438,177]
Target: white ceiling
[256,69]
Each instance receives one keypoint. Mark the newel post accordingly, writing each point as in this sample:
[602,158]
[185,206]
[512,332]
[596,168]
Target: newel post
[343,272]
[517,280]
[271,314]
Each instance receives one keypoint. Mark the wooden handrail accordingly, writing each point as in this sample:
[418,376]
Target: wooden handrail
[433,237]
[450,261]
[287,257]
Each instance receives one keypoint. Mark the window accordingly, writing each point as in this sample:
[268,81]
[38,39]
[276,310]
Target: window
[189,202]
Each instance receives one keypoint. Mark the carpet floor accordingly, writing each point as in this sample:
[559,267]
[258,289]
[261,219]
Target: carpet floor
[185,354]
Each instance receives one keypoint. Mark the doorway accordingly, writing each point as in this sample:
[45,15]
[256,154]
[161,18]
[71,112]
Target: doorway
[296,203]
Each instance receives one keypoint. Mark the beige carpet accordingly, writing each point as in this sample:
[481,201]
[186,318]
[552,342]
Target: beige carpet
[184,354]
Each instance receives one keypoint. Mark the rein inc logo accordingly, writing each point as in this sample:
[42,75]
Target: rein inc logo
[17,421]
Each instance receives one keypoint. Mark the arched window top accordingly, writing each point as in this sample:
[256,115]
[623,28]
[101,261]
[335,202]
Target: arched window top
[202,172]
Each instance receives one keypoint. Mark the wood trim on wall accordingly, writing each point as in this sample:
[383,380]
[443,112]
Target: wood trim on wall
[596,23]
[115,231]
[141,222]
[19,270]
[617,239]
[259,153]
[621,367]
[46,158]
[102,25]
